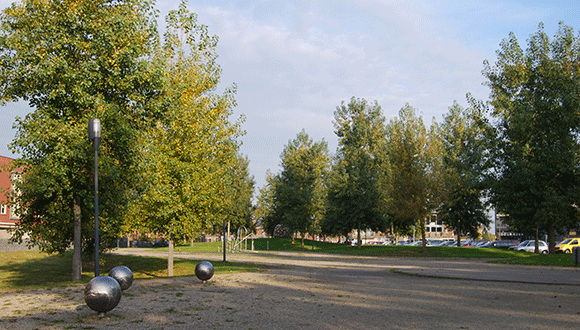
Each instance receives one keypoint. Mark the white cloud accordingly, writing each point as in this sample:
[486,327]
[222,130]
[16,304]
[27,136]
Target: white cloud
[294,61]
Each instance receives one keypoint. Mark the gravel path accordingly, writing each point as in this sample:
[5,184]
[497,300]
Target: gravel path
[317,291]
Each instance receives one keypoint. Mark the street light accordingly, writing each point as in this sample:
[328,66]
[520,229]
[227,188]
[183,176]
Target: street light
[313,232]
[95,137]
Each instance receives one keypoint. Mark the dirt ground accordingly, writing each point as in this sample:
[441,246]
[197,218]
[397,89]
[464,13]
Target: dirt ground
[305,291]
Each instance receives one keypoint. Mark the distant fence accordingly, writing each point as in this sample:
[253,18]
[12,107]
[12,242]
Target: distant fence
[5,245]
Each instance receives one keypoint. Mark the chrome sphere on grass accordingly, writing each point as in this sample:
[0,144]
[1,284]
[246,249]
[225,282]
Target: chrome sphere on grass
[123,275]
[102,293]
[204,270]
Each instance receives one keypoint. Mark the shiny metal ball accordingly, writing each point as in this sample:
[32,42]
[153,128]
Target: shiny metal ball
[123,275]
[102,293]
[204,270]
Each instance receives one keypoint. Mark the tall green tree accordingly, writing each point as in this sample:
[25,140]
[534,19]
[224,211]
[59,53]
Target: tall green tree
[360,170]
[414,153]
[238,195]
[72,60]
[535,94]
[264,213]
[188,155]
[300,194]
[464,145]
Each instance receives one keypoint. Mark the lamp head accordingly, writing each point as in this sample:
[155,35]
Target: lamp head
[94,129]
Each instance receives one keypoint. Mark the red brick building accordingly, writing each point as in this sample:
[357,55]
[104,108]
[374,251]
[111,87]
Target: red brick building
[7,217]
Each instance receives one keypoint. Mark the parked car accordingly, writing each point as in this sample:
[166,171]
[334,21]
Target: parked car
[499,244]
[567,245]
[530,246]
[521,245]
[479,243]
[158,243]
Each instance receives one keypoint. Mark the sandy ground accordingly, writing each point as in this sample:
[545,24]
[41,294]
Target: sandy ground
[304,291]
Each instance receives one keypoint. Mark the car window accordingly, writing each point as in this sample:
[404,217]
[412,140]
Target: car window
[566,241]
[574,242]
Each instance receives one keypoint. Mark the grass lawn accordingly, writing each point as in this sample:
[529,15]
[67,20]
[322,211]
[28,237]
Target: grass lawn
[500,255]
[35,269]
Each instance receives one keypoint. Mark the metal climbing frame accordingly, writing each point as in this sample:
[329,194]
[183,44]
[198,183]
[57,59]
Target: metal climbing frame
[239,243]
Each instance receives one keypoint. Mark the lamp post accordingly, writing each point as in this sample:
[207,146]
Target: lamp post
[313,232]
[95,137]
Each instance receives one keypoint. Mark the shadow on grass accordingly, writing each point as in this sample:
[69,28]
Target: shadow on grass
[34,269]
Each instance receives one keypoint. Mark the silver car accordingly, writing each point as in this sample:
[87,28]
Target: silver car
[530,246]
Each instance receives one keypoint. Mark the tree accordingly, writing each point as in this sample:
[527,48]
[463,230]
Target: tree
[189,154]
[535,96]
[264,213]
[300,194]
[360,170]
[464,145]
[238,195]
[71,60]
[414,154]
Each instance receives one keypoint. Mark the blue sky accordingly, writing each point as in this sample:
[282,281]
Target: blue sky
[295,61]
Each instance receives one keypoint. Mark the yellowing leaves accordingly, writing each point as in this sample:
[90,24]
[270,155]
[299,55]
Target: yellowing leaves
[188,152]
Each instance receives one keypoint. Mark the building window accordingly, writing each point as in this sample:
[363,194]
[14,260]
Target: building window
[2,209]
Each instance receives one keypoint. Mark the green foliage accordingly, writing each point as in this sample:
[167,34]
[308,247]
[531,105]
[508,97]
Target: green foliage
[536,96]
[464,149]
[264,212]
[300,193]
[360,171]
[238,196]
[414,153]
[189,157]
[71,60]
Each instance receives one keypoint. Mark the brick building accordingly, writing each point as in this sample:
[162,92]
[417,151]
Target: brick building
[7,217]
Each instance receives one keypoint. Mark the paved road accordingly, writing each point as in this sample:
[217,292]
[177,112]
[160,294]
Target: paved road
[320,291]
[471,269]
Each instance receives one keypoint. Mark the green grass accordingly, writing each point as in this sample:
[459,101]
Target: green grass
[502,256]
[34,269]
[206,247]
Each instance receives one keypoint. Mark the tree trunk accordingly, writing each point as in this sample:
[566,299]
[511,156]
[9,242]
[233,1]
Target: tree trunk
[170,258]
[77,261]
[459,233]
[423,235]
[551,238]
[536,241]
[358,242]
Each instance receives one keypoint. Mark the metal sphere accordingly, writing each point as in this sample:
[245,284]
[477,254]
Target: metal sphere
[123,275]
[102,293]
[204,270]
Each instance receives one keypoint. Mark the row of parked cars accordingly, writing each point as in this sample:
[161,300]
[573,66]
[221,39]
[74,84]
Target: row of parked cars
[528,245]
[565,246]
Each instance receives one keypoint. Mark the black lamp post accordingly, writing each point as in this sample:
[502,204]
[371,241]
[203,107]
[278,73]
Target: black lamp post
[95,137]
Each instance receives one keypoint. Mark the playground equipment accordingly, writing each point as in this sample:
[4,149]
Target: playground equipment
[240,242]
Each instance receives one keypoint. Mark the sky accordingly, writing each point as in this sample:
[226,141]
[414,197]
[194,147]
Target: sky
[295,61]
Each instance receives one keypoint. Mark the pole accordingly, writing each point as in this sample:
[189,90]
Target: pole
[224,240]
[312,233]
[96,145]
[95,136]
